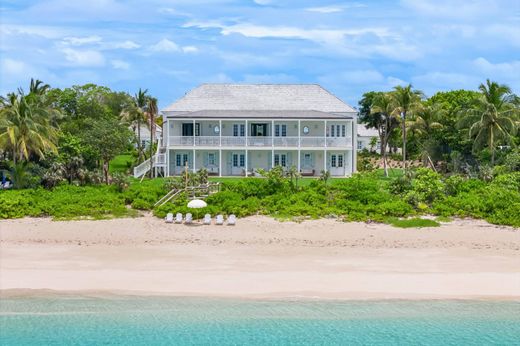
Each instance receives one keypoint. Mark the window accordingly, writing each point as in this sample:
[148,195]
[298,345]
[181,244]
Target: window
[338,134]
[185,159]
[359,145]
[283,160]
[235,160]
[343,130]
[280,130]
[284,130]
[242,130]
[178,160]
[276,160]
[235,130]
[242,160]
[333,160]
[187,129]
[332,130]
[306,160]
[340,160]
[378,146]
[197,129]
[277,130]
[259,130]
[211,159]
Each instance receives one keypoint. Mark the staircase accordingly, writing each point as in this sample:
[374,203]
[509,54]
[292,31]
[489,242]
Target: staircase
[158,160]
[197,192]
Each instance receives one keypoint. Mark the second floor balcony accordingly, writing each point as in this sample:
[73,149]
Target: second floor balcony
[260,142]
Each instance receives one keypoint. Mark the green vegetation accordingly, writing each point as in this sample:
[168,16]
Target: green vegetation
[414,223]
[121,163]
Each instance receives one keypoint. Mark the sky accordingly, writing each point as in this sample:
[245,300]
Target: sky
[349,47]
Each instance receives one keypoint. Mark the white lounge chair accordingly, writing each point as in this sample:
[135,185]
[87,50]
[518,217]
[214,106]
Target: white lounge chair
[7,185]
[178,218]
[169,218]
[207,219]
[232,220]
[189,218]
[219,220]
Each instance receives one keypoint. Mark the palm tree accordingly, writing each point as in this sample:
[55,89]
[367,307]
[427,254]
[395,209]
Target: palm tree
[152,110]
[385,121]
[424,122]
[493,117]
[26,127]
[405,100]
[140,101]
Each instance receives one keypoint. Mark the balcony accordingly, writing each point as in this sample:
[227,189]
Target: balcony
[260,142]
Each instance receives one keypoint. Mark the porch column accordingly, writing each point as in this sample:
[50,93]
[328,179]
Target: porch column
[272,133]
[220,133]
[325,133]
[194,138]
[299,144]
[325,160]
[194,159]
[247,143]
[220,162]
[354,146]
[167,169]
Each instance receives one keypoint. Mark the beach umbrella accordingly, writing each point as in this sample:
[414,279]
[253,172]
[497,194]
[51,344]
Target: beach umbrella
[197,204]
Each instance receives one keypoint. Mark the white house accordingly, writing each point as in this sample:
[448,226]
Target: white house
[364,137]
[236,129]
[145,133]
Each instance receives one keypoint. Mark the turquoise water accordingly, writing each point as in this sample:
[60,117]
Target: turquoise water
[194,321]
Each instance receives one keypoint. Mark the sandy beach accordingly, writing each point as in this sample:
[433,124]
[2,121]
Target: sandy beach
[261,258]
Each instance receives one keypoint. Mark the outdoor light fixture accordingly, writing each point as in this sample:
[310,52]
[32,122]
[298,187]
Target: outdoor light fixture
[306,130]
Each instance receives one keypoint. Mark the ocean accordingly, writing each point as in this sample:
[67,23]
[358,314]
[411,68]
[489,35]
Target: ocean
[152,320]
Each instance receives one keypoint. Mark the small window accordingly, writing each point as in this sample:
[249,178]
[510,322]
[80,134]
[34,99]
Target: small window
[178,160]
[359,145]
[242,160]
[340,160]
[242,130]
[283,160]
[211,159]
[343,130]
[333,160]
[338,129]
[235,130]
[235,160]
[332,130]
[276,160]
[378,146]
[277,130]
[184,159]
[284,130]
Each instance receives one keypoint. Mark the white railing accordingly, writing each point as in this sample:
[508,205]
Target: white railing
[142,169]
[235,141]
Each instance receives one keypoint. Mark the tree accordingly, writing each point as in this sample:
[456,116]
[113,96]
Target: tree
[109,138]
[25,127]
[140,100]
[492,120]
[406,100]
[423,124]
[382,117]
[152,110]
[373,143]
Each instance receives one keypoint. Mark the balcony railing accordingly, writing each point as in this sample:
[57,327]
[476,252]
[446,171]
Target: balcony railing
[262,142]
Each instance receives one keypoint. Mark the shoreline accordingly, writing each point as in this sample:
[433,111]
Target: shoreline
[260,258]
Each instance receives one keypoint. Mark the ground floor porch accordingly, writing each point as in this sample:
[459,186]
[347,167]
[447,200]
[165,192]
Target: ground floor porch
[248,162]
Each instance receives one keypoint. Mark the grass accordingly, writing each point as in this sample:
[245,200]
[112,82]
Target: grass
[121,163]
[443,218]
[414,223]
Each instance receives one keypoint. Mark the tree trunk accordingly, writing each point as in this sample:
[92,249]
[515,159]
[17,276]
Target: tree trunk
[139,153]
[404,141]
[492,148]
[105,170]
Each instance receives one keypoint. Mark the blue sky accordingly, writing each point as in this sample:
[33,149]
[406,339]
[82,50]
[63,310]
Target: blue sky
[348,47]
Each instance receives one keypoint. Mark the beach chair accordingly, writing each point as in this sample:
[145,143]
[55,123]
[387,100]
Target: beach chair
[169,218]
[7,185]
[207,219]
[189,219]
[178,218]
[219,220]
[232,220]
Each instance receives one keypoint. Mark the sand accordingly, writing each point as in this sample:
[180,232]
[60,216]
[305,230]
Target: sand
[261,258]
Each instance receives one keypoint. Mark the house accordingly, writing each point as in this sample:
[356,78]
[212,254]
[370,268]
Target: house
[364,138]
[237,129]
[145,133]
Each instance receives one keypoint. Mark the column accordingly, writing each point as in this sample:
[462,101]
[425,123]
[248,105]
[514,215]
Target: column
[220,162]
[246,161]
[325,160]
[167,169]
[194,159]
[220,133]
[325,133]
[194,138]
[354,146]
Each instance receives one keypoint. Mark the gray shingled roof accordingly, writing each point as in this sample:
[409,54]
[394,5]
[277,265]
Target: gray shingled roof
[252,114]
[258,97]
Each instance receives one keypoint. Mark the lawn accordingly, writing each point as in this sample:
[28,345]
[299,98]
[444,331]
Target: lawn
[121,163]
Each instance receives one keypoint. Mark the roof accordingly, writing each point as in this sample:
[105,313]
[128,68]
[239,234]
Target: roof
[259,97]
[261,114]
[363,131]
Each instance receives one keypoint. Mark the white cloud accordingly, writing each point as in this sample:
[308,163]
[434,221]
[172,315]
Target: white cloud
[120,64]
[325,9]
[84,57]
[451,8]
[190,49]
[79,41]
[262,2]
[128,44]
[165,45]
[505,69]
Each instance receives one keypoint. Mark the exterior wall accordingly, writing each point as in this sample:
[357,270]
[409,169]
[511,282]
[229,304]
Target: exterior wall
[363,142]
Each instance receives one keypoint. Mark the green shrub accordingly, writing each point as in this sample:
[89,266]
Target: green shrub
[414,223]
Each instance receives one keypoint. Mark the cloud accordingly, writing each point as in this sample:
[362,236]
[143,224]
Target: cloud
[120,64]
[190,49]
[84,57]
[128,44]
[262,2]
[325,9]
[79,41]
[451,8]
[165,45]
